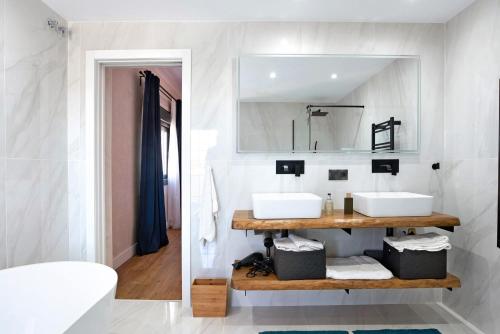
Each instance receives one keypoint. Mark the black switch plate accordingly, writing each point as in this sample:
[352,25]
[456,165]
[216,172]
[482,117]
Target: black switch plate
[290,167]
[338,174]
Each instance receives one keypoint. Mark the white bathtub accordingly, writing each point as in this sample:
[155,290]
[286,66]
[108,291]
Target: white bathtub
[56,297]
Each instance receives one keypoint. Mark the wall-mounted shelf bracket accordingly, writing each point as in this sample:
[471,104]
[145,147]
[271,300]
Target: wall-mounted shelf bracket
[389,232]
[347,230]
[447,228]
[449,289]
[347,291]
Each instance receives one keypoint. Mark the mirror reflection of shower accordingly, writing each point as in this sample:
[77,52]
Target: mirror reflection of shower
[313,113]
[316,111]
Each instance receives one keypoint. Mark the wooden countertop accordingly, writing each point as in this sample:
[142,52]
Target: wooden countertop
[244,220]
[240,281]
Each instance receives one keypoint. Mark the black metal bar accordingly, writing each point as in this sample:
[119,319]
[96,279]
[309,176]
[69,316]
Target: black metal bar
[373,137]
[347,230]
[293,135]
[334,106]
[391,121]
[389,232]
[447,228]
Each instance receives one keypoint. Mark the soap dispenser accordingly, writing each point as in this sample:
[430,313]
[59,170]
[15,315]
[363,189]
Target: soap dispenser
[348,204]
[329,205]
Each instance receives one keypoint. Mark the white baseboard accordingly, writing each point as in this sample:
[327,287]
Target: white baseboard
[459,317]
[124,256]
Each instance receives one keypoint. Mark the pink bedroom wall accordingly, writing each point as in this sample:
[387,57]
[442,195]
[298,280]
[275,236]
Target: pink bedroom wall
[124,98]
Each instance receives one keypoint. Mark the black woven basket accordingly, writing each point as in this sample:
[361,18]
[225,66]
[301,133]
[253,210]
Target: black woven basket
[300,265]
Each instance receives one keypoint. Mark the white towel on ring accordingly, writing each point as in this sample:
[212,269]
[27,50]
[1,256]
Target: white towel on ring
[356,267]
[209,209]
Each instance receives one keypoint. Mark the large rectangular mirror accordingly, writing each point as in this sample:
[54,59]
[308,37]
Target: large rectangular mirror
[328,103]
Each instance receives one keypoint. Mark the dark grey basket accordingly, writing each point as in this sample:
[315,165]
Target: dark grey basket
[300,265]
[411,264]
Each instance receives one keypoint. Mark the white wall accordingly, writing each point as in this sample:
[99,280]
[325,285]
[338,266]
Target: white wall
[33,139]
[215,47]
[471,153]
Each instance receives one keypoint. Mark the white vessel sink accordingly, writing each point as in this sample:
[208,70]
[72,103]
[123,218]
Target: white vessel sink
[286,205]
[392,204]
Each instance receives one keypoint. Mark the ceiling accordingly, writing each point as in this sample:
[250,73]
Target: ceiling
[424,11]
[306,78]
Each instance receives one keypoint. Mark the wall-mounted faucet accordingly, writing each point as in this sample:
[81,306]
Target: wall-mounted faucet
[385,166]
[290,167]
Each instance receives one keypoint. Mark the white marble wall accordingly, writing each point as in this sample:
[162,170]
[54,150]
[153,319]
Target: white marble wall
[471,153]
[215,47]
[33,140]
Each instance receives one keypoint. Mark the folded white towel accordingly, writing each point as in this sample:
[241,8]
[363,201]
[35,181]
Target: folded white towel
[305,244]
[285,244]
[209,209]
[295,243]
[356,267]
[431,242]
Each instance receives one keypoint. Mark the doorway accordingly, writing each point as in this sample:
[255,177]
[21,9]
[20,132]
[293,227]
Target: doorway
[157,274]
[99,174]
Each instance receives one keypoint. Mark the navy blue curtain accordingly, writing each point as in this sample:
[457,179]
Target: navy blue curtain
[152,227]
[178,127]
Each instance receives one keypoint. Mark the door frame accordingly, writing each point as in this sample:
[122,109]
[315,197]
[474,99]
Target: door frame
[96,224]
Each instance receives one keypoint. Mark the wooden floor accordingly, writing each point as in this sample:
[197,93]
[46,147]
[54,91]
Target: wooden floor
[154,276]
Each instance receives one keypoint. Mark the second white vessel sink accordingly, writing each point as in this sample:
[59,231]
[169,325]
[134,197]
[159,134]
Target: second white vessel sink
[392,204]
[286,205]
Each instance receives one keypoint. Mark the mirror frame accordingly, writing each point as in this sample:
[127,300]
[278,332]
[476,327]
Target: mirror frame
[419,103]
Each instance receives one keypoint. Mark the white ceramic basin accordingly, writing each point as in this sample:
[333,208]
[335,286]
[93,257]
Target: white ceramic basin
[286,205]
[392,204]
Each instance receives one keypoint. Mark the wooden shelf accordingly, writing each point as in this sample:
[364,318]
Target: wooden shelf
[240,281]
[244,220]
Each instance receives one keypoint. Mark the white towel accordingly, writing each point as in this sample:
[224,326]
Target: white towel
[295,243]
[286,244]
[431,242]
[356,267]
[305,244]
[209,209]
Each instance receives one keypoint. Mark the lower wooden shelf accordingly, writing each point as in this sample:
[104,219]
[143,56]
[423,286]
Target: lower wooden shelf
[240,281]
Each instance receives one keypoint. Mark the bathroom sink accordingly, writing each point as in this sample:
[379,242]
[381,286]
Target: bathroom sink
[392,204]
[286,205]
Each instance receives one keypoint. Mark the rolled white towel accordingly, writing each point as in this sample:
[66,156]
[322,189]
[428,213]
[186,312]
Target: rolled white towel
[305,244]
[356,267]
[431,242]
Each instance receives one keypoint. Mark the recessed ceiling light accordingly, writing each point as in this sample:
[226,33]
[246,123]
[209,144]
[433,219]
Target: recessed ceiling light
[334,76]
[272,75]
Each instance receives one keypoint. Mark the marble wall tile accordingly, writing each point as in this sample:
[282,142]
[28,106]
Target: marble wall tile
[215,47]
[54,210]
[3,226]
[2,77]
[35,70]
[23,211]
[33,136]
[471,160]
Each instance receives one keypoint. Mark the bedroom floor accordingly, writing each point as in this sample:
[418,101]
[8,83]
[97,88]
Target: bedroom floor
[168,317]
[155,276]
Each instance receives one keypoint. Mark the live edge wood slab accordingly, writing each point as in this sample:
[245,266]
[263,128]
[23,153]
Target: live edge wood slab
[244,220]
[240,281]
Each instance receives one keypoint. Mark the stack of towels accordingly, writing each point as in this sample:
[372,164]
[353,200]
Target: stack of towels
[294,243]
[431,242]
[356,267]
